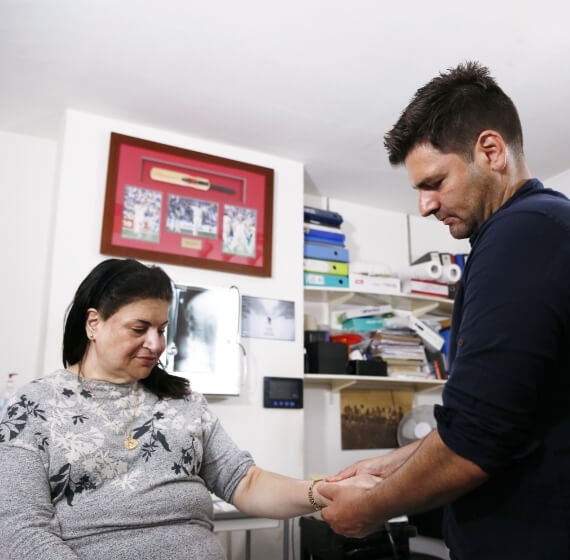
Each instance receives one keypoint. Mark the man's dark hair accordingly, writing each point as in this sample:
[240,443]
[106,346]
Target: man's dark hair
[451,111]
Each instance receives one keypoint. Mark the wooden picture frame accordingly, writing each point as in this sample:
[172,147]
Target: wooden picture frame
[177,206]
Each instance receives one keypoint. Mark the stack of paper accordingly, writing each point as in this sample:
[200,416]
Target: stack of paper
[402,350]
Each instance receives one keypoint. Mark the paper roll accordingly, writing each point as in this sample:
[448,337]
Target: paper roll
[450,274]
[430,270]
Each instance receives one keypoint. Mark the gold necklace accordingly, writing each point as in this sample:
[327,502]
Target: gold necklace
[130,442]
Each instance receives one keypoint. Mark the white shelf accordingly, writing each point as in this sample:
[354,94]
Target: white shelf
[339,382]
[417,303]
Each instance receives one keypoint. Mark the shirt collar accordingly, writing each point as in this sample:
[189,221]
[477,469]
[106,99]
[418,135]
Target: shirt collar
[529,187]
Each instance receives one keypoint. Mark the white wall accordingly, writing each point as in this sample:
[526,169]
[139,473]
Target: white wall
[28,166]
[560,182]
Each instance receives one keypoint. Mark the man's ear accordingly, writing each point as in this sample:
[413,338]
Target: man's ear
[92,322]
[491,151]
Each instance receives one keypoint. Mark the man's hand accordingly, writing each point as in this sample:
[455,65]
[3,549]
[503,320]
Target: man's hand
[422,477]
[382,466]
[357,481]
[347,512]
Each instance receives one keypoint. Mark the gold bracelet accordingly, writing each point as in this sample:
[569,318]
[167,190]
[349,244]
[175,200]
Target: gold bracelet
[312,501]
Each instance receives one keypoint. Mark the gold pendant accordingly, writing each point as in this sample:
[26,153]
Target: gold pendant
[130,443]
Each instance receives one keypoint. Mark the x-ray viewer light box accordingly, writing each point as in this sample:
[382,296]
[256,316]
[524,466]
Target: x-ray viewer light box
[203,339]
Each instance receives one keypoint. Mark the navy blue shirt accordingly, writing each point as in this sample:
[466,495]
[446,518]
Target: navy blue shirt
[506,406]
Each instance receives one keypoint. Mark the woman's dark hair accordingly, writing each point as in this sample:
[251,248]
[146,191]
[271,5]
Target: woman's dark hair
[451,111]
[111,285]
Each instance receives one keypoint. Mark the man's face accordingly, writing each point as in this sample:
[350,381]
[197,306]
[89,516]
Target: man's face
[454,190]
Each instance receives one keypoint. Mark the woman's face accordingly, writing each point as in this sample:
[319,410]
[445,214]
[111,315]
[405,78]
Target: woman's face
[127,345]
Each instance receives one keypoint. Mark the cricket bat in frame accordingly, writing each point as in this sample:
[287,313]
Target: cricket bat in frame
[186,180]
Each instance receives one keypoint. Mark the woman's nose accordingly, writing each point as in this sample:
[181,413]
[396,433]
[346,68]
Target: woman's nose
[154,341]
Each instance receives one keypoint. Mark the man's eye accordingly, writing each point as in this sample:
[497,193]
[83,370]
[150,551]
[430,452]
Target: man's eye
[139,330]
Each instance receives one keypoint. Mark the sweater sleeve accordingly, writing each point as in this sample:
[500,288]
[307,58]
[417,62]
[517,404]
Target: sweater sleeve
[224,464]
[27,523]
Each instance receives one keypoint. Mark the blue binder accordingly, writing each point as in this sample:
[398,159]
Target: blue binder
[325,280]
[320,216]
[324,237]
[325,252]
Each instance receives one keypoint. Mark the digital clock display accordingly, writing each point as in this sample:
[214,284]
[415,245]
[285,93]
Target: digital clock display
[282,392]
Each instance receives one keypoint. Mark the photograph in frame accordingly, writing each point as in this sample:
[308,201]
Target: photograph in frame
[267,318]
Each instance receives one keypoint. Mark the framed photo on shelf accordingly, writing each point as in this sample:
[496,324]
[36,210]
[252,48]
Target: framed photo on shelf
[177,206]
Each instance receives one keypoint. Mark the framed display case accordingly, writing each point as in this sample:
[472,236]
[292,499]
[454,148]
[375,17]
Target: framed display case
[172,205]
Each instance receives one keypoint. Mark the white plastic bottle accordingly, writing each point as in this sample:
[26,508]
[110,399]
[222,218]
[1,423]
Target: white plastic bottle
[8,390]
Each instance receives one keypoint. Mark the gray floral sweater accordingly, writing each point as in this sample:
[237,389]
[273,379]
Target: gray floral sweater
[69,489]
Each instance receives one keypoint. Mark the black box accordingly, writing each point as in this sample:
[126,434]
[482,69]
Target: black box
[327,357]
[316,336]
[367,367]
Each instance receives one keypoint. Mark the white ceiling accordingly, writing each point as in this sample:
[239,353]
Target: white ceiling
[317,81]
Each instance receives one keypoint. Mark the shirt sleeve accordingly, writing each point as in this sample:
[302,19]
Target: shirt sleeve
[28,528]
[224,464]
[513,329]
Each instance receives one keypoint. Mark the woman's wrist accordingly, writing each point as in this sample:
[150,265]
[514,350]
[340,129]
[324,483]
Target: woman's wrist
[313,496]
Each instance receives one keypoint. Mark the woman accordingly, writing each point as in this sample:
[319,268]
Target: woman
[112,457]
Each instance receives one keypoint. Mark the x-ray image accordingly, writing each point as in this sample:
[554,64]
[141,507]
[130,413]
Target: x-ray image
[203,339]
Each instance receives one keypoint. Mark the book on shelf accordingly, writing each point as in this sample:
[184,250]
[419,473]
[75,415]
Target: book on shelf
[313,235]
[426,333]
[321,216]
[437,361]
[407,372]
[325,266]
[369,283]
[402,350]
[319,227]
[461,260]
[325,280]
[364,311]
[430,288]
[325,251]
[397,336]
[362,324]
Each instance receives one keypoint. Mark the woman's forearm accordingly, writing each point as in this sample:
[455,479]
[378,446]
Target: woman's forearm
[265,494]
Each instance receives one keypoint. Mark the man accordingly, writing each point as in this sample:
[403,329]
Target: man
[500,456]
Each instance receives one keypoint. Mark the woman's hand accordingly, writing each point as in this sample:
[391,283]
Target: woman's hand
[363,481]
